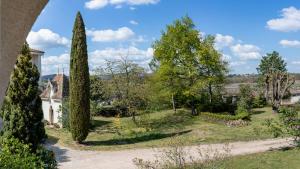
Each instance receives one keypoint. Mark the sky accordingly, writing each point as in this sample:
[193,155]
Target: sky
[245,30]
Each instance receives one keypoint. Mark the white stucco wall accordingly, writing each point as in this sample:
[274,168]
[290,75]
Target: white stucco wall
[36,59]
[16,20]
[295,99]
[56,110]
[46,106]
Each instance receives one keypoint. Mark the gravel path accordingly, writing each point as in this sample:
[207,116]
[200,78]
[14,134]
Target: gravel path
[76,159]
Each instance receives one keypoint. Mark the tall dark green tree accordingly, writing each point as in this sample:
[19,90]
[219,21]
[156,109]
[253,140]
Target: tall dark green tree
[79,83]
[22,113]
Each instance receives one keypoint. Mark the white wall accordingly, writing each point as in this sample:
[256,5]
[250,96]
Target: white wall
[46,107]
[295,99]
[56,110]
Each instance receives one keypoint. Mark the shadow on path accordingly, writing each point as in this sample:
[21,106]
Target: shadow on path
[60,153]
[138,139]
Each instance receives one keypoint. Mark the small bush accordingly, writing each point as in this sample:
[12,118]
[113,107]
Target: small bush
[289,124]
[179,157]
[112,111]
[225,117]
[15,154]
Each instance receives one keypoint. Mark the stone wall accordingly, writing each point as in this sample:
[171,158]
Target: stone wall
[16,20]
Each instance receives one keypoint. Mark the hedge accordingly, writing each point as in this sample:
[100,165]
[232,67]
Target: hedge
[224,117]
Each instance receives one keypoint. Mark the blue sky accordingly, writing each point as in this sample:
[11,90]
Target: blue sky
[245,30]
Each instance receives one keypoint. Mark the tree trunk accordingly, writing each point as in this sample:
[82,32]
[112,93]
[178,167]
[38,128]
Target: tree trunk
[210,93]
[173,103]
[275,107]
[194,110]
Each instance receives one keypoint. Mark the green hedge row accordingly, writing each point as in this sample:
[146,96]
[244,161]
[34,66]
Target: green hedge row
[224,117]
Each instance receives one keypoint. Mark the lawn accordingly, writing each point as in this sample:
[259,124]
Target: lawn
[157,129]
[279,159]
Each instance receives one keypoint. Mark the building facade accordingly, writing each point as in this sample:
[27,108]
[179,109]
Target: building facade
[52,99]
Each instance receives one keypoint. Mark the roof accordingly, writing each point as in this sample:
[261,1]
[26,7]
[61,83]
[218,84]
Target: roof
[60,87]
[36,51]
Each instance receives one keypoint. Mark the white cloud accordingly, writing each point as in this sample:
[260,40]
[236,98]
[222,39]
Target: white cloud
[246,52]
[141,57]
[133,22]
[98,4]
[226,57]
[290,43]
[50,64]
[237,63]
[289,21]
[46,39]
[109,35]
[296,62]
[223,41]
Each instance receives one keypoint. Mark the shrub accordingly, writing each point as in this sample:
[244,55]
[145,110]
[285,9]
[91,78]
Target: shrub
[259,101]
[289,124]
[15,154]
[113,111]
[179,157]
[225,117]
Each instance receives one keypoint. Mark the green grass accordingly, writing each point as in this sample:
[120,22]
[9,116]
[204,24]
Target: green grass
[157,130]
[280,159]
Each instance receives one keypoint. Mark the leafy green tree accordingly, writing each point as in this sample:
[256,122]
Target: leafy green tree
[272,70]
[270,64]
[125,86]
[97,92]
[22,114]
[176,57]
[246,96]
[79,83]
[214,68]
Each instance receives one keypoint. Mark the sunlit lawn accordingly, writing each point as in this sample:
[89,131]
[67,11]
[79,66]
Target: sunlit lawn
[279,159]
[122,133]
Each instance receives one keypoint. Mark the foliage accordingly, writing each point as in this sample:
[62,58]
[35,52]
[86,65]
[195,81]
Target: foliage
[289,124]
[175,57]
[287,158]
[97,92]
[274,76]
[186,64]
[22,112]
[272,62]
[213,67]
[125,87]
[64,118]
[259,101]
[246,96]
[79,83]
[15,154]
[179,157]
[224,117]
[113,111]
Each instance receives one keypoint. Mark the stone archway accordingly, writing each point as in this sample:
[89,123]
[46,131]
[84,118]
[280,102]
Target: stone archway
[16,20]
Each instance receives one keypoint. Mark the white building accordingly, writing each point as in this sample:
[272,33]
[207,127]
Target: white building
[52,98]
[37,58]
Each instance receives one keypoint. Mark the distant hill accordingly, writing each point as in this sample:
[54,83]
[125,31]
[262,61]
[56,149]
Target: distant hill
[46,77]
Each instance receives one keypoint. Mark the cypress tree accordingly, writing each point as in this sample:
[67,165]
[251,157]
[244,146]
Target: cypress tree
[22,112]
[79,83]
